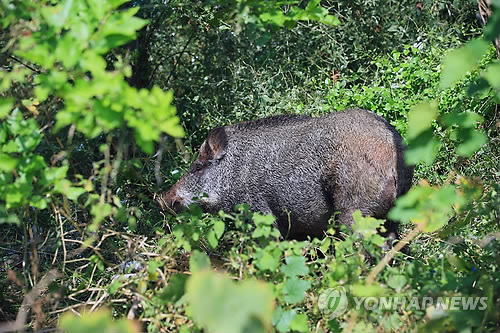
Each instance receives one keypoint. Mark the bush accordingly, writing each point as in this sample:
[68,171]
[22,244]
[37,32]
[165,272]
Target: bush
[83,108]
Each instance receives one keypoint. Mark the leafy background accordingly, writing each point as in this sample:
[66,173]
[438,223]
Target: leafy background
[96,96]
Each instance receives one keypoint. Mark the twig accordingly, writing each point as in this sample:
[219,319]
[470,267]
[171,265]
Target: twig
[22,63]
[71,307]
[159,156]
[92,275]
[380,266]
[176,63]
[28,301]
[59,218]
[388,257]
[34,257]
[133,309]
[107,170]
[99,301]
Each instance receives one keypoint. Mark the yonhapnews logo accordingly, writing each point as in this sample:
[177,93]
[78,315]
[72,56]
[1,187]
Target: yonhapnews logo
[333,302]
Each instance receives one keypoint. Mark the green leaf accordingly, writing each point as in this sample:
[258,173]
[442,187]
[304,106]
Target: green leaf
[56,16]
[27,143]
[215,233]
[7,162]
[366,226]
[117,3]
[213,296]
[219,227]
[282,320]
[315,11]
[5,217]
[330,20]
[312,4]
[38,202]
[99,8]
[268,259]
[42,92]
[299,323]
[460,61]
[34,163]
[492,29]
[6,105]
[462,119]
[264,38]
[68,51]
[123,23]
[172,127]
[295,265]
[175,288]
[261,219]
[163,112]
[106,117]
[492,74]
[325,244]
[377,240]
[3,133]
[115,286]
[471,139]
[295,290]
[478,86]
[14,196]
[372,290]
[297,14]
[39,53]
[94,63]
[56,173]
[146,145]
[422,149]
[274,16]
[262,231]
[420,118]
[118,29]
[97,321]
[407,206]
[153,265]
[73,192]
[429,206]
[99,211]
[212,240]
[198,261]
[397,282]
[81,30]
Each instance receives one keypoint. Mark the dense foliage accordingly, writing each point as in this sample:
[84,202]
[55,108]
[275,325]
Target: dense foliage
[95,97]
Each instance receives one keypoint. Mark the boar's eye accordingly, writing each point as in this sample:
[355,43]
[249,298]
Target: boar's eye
[198,167]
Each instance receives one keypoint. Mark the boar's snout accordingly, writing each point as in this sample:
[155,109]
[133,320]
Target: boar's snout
[171,200]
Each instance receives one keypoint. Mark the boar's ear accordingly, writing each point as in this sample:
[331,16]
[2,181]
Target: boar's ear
[215,145]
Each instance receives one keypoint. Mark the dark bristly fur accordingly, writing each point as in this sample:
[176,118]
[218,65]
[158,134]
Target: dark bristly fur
[300,169]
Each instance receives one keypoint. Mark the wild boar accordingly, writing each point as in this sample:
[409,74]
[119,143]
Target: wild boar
[301,169]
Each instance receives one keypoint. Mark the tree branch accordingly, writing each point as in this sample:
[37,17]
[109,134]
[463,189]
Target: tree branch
[22,63]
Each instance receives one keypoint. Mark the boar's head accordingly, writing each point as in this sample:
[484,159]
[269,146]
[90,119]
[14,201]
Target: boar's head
[203,181]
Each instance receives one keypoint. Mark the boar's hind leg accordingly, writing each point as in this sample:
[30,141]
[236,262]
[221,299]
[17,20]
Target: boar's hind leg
[344,217]
[284,227]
